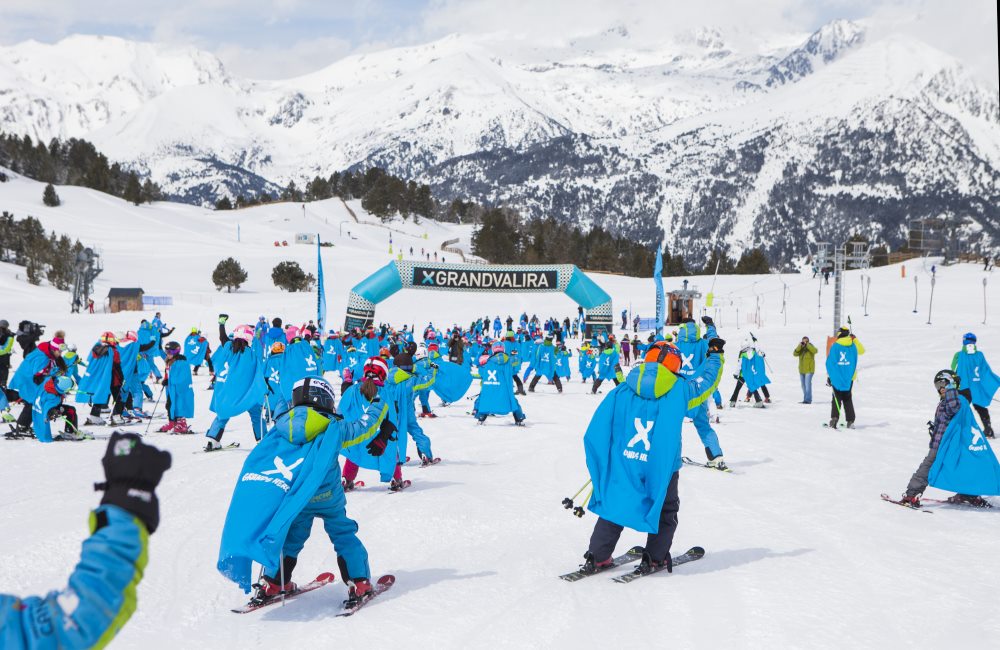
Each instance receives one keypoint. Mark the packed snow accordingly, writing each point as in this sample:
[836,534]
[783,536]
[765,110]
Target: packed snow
[801,552]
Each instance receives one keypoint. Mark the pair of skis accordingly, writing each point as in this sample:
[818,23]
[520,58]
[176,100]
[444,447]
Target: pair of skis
[381,586]
[634,554]
[899,502]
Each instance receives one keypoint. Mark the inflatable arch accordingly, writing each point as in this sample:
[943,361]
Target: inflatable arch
[490,278]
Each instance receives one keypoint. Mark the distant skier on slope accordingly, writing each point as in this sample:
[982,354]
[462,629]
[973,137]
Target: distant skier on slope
[979,382]
[100,596]
[959,459]
[633,449]
[296,480]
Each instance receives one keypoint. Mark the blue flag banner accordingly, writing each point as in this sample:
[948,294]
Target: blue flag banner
[660,300]
[320,291]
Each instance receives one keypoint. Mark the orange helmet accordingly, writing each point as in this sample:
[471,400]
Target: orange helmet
[109,338]
[663,353]
[277,347]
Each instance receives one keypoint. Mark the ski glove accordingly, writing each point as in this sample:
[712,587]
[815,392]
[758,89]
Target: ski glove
[707,320]
[377,446]
[132,470]
[223,318]
[716,345]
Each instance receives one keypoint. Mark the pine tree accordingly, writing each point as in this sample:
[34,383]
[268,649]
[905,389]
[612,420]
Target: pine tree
[133,191]
[49,196]
[229,274]
[150,191]
[753,262]
[289,276]
[224,204]
[496,239]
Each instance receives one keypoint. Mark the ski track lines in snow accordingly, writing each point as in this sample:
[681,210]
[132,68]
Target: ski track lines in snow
[800,550]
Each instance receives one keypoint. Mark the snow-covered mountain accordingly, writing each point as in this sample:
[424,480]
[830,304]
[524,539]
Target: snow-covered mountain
[781,143]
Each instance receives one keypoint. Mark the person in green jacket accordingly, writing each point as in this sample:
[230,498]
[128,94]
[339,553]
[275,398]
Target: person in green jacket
[806,352]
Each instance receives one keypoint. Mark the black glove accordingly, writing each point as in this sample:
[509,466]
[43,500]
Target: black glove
[716,345]
[132,470]
[930,428]
[163,382]
[434,365]
[377,446]
[707,320]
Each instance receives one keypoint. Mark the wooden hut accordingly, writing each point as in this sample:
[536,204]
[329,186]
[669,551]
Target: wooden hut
[124,300]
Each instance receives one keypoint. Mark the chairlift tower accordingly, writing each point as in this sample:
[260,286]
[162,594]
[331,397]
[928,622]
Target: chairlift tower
[850,255]
[86,268]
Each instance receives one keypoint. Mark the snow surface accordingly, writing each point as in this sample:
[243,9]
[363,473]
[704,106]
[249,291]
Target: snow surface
[800,550]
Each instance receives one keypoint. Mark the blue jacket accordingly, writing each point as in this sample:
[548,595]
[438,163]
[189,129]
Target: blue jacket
[633,442]
[452,381]
[48,398]
[296,460]
[99,598]
[965,462]
[587,362]
[692,347]
[496,391]
[23,379]
[607,364]
[562,367]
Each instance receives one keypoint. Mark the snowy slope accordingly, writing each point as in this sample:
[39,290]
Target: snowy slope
[800,549]
[639,137]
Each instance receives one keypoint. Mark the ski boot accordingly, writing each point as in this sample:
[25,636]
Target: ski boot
[397,485]
[833,423]
[988,432]
[647,565]
[912,500]
[348,485]
[181,426]
[520,423]
[969,500]
[759,405]
[118,420]
[718,463]
[358,591]
[732,404]
[95,420]
[590,566]
[850,424]
[719,406]
[212,445]
[168,427]
[7,416]
[426,461]
[267,590]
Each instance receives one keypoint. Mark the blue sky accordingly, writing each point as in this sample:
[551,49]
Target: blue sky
[281,38]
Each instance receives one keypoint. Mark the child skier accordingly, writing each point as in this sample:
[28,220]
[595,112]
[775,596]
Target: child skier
[356,405]
[959,458]
[979,382]
[496,394]
[545,365]
[633,449]
[49,405]
[694,353]
[239,383]
[296,479]
[753,373]
[180,395]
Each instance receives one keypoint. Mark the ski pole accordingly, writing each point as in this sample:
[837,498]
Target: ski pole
[568,501]
[579,511]
[155,404]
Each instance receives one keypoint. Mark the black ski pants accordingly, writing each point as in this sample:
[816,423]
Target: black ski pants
[984,413]
[519,384]
[846,401]
[606,533]
[534,382]
[739,385]
[598,382]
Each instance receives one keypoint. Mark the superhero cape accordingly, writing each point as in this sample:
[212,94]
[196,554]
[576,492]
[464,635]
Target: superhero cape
[965,462]
[977,376]
[239,381]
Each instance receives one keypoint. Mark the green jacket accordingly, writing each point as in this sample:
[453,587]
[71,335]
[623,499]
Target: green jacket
[807,358]
[6,344]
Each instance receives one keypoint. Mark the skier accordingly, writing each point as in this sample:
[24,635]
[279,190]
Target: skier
[753,373]
[197,351]
[842,370]
[49,405]
[497,327]
[979,382]
[280,506]
[806,353]
[545,365]
[402,383]
[180,395]
[6,346]
[627,351]
[625,322]
[959,458]
[607,366]
[426,372]
[41,362]
[100,595]
[357,403]
[496,394]
[633,449]
[239,383]
[587,363]
[693,355]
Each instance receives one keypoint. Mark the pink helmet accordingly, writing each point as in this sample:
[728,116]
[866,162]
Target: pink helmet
[131,335]
[497,347]
[290,333]
[243,333]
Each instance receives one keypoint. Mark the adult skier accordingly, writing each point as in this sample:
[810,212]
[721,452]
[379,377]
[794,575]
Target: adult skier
[295,480]
[239,383]
[180,394]
[100,595]
[694,353]
[633,449]
[545,365]
[959,458]
[979,382]
[842,370]
[496,393]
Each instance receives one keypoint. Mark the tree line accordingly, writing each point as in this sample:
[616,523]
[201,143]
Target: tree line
[74,162]
[47,256]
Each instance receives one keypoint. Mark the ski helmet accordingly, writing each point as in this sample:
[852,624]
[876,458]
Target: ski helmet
[419,355]
[63,384]
[433,347]
[946,379]
[315,392]
[131,336]
[376,370]
[968,338]
[195,330]
[665,354]
[497,347]
[109,338]
[277,347]
[243,333]
[172,348]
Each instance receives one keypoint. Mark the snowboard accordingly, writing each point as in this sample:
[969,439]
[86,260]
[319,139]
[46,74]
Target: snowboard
[886,497]
[381,586]
[688,461]
[693,553]
[634,554]
[321,580]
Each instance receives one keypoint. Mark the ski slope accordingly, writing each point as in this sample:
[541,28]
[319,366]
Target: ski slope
[800,550]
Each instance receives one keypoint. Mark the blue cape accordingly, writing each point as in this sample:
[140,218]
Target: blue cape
[975,374]
[545,360]
[754,371]
[354,407]
[23,379]
[965,462]
[239,381]
[496,390]
[841,364]
[452,381]
[95,386]
[179,390]
[195,348]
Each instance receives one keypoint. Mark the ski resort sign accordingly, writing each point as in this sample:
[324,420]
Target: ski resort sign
[490,278]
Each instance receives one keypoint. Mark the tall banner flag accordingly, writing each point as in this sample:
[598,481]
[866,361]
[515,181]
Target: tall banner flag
[320,291]
[660,301]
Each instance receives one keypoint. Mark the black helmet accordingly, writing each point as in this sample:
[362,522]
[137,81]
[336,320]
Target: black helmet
[314,392]
[946,378]
[173,347]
